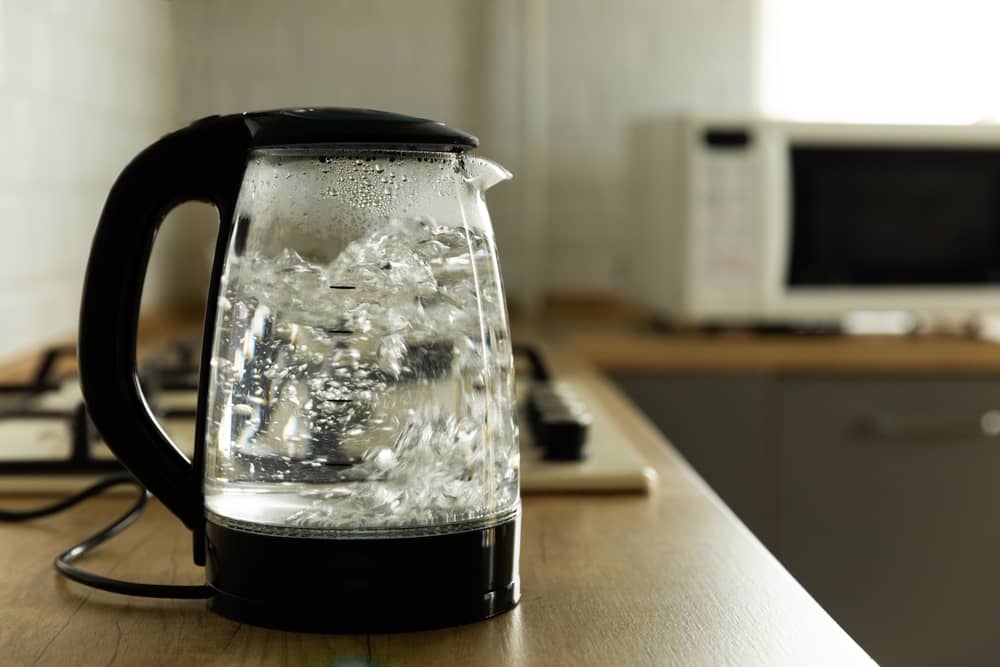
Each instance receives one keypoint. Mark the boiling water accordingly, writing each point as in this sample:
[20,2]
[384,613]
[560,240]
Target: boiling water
[369,394]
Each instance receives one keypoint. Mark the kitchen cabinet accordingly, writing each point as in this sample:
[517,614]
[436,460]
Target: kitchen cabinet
[888,492]
[877,492]
[722,425]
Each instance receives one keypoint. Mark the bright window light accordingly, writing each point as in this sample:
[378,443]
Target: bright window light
[893,61]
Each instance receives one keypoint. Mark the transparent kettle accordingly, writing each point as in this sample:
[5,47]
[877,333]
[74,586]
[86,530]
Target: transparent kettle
[356,462]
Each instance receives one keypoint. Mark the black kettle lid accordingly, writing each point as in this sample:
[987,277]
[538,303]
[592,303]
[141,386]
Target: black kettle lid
[334,125]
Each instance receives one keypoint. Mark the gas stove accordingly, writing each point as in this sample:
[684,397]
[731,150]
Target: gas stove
[48,443]
[45,429]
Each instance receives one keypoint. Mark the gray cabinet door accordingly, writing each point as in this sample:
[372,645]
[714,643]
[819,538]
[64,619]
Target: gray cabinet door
[889,491]
[722,424]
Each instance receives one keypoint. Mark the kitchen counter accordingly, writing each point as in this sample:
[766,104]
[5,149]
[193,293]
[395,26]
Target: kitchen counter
[619,337]
[672,577]
[740,352]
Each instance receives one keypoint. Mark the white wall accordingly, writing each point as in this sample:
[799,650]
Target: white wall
[84,86]
[418,58]
[550,87]
[414,57]
[610,63]
[907,62]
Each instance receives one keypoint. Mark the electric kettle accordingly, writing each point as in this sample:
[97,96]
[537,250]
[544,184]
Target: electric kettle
[356,458]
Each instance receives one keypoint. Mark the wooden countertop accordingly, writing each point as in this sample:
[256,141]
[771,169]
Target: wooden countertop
[668,578]
[618,336]
[628,350]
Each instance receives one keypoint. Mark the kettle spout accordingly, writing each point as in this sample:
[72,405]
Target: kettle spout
[483,174]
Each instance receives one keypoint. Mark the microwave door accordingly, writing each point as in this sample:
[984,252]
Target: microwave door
[892,217]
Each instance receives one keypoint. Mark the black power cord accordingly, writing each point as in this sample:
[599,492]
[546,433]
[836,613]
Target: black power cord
[63,561]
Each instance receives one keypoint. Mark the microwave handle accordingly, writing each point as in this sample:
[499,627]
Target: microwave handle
[918,430]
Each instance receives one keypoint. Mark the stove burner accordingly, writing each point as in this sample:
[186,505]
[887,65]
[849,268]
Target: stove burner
[80,429]
[44,378]
[173,369]
[35,409]
[170,375]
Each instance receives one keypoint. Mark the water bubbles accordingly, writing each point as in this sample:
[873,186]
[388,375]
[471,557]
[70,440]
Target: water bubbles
[381,459]
[243,409]
[378,168]
[375,404]
[391,354]
[260,320]
[290,261]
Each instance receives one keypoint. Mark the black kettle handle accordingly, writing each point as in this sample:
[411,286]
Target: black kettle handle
[202,162]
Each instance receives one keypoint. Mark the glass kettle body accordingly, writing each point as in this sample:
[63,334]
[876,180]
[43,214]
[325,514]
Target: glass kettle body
[356,461]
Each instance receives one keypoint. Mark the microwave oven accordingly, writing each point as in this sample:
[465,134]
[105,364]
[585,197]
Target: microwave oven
[745,220]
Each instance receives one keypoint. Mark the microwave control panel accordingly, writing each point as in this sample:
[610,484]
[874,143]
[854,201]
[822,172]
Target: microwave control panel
[725,234]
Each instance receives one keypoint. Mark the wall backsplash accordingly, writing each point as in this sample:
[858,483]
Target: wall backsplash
[550,86]
[609,64]
[418,58]
[85,86]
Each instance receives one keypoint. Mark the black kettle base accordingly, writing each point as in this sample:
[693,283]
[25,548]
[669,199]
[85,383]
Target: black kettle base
[406,616]
[363,585]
